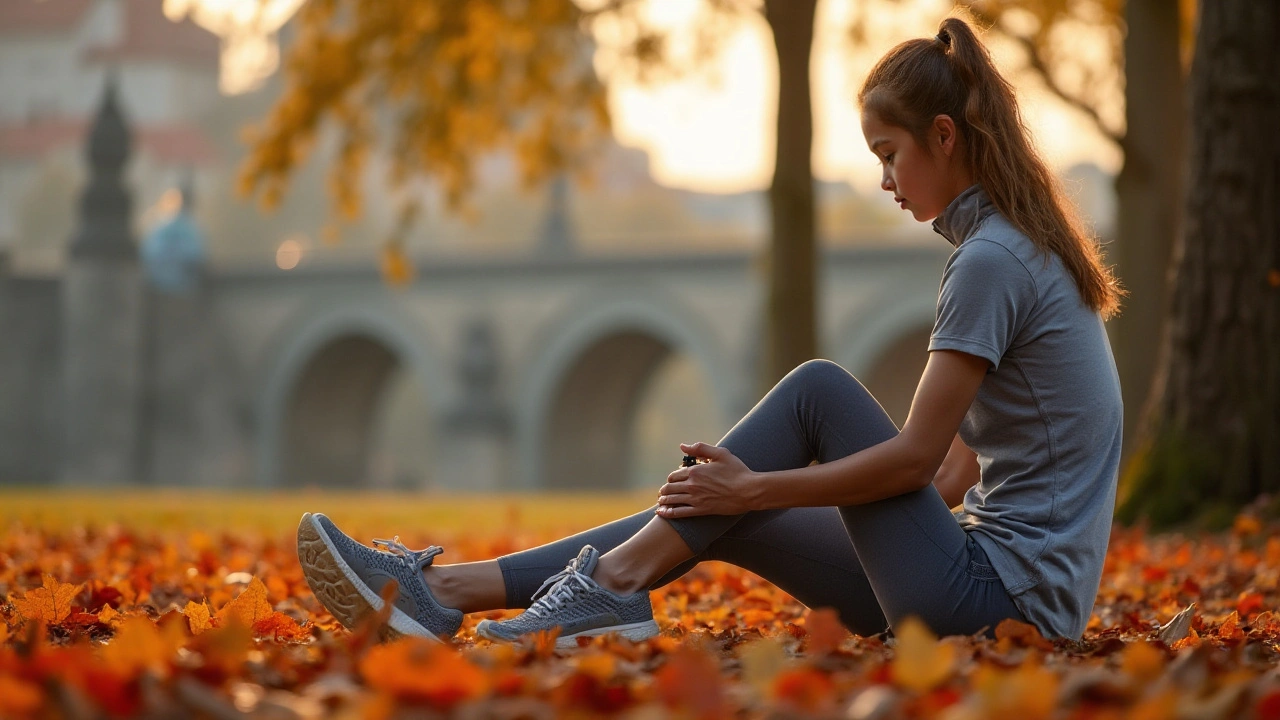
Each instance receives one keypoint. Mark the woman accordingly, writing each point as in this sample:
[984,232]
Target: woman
[1017,416]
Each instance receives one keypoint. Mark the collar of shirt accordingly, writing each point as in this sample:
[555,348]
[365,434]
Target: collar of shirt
[962,217]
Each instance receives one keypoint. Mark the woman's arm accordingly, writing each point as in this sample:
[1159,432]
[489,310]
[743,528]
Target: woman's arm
[958,473]
[902,464]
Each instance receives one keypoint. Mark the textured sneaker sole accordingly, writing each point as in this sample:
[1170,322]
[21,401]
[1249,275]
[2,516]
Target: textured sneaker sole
[634,632]
[340,590]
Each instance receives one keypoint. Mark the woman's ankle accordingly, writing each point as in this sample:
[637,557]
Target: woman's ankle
[617,580]
[444,586]
[469,587]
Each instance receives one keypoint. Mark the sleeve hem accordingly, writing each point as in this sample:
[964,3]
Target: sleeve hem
[964,345]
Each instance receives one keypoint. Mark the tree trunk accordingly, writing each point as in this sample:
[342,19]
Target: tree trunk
[1218,438]
[1147,190]
[790,323]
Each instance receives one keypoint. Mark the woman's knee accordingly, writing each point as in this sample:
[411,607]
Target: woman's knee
[823,374]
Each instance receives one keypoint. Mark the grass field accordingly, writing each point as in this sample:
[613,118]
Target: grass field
[275,513]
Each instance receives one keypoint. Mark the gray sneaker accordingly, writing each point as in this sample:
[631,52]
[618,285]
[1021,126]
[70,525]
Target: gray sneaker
[573,602]
[347,578]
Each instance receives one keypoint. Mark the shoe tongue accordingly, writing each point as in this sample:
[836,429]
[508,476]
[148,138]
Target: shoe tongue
[585,563]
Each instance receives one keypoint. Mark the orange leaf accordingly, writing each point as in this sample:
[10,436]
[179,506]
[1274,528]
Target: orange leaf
[804,687]
[197,617]
[19,698]
[1023,634]
[248,607]
[1230,629]
[50,603]
[279,626]
[1246,525]
[1249,603]
[108,616]
[1142,661]
[825,631]
[691,680]
[417,669]
[921,663]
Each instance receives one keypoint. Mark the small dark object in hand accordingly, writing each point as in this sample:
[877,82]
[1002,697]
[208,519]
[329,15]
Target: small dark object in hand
[690,461]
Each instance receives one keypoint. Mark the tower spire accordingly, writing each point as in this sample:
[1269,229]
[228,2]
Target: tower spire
[106,206]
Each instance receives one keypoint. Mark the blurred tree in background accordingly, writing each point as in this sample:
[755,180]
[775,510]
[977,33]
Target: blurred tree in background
[1146,42]
[1216,429]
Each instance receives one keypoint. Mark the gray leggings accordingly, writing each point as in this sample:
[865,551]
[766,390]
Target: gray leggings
[875,563]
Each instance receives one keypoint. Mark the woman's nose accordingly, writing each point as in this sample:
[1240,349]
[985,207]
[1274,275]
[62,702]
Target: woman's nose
[886,182]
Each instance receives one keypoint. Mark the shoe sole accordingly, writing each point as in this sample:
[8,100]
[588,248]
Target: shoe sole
[634,632]
[341,591]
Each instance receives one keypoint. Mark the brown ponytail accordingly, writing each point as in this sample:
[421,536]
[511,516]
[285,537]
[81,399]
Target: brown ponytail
[952,74]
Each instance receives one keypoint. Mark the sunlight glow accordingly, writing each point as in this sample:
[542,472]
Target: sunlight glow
[712,131]
[289,254]
[247,28]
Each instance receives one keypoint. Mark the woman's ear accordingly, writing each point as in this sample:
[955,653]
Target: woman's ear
[944,134]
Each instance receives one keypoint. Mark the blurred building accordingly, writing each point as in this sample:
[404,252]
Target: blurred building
[54,58]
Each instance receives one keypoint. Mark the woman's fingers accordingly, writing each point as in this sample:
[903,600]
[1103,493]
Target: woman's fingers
[675,499]
[703,450]
[680,511]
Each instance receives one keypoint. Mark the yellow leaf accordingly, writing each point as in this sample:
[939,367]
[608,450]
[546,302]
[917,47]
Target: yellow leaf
[762,660]
[1029,692]
[249,607]
[921,663]
[50,603]
[139,645]
[397,268]
[197,617]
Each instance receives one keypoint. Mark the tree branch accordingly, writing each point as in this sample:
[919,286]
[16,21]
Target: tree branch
[1037,63]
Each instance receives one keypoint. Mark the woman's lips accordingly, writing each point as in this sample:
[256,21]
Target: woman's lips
[902,202]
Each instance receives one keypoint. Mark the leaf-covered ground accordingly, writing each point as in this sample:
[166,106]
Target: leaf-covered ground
[194,605]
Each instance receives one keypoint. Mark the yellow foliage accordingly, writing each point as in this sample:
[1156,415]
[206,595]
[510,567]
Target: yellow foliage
[141,644]
[921,663]
[197,617]
[458,81]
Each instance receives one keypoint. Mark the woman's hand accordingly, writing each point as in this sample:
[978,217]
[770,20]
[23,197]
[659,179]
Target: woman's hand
[723,486]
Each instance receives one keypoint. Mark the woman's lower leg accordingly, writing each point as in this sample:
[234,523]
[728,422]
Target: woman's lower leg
[469,587]
[644,558]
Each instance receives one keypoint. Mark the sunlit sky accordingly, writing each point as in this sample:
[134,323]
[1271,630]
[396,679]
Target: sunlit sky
[712,131]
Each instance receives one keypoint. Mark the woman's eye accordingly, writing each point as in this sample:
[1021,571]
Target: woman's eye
[888,159]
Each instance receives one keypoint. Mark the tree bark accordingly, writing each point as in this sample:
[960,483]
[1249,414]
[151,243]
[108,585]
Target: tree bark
[790,323]
[1147,191]
[1218,439]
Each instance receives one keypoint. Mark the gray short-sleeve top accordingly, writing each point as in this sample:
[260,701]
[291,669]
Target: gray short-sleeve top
[1046,422]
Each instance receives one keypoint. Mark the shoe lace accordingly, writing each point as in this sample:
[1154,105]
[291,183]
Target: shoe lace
[416,558]
[559,589]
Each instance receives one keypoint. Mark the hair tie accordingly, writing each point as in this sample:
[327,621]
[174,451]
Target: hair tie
[944,38]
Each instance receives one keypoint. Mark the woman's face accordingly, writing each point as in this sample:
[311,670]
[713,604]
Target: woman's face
[921,181]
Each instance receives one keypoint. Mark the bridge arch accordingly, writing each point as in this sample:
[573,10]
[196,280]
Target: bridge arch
[579,394]
[885,345]
[323,381]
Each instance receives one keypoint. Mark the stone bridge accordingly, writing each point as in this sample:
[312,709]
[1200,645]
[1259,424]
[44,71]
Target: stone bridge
[531,371]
